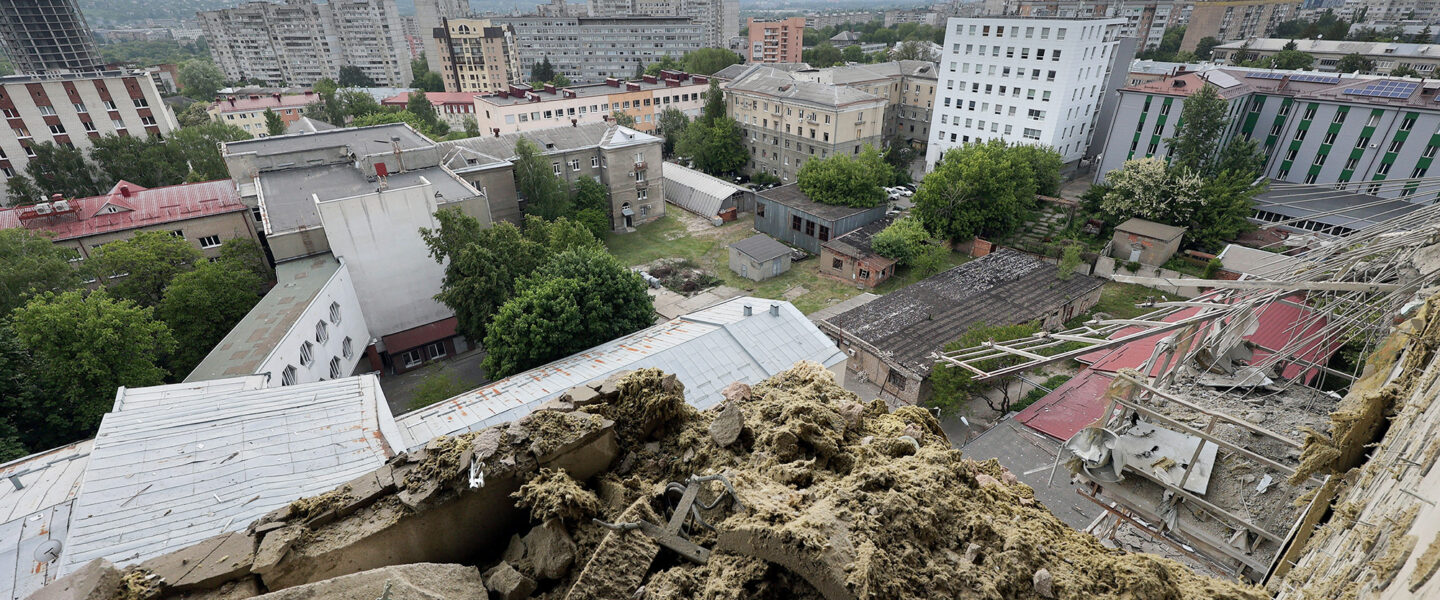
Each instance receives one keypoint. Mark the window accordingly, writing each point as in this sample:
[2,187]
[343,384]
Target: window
[1309,113]
[287,377]
[574,164]
[1339,117]
[57,129]
[80,107]
[836,263]
[809,228]
[110,105]
[335,368]
[47,110]
[594,162]
[555,167]
[209,241]
[824,233]
[760,207]
[435,350]
[795,223]
[1329,138]
[307,354]
[1395,145]
[346,349]
[322,333]
[412,358]
[864,274]
[1407,124]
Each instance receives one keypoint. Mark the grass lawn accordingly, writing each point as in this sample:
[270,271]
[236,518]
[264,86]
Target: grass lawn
[681,235]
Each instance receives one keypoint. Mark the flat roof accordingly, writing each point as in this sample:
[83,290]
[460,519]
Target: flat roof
[910,325]
[177,464]
[1330,207]
[286,195]
[35,505]
[791,196]
[589,90]
[250,342]
[364,141]
[707,350]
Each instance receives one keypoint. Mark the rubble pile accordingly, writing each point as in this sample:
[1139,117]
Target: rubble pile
[792,489]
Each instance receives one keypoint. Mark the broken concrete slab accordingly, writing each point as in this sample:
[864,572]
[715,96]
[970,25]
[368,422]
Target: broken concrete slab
[273,548]
[550,549]
[510,584]
[826,573]
[239,589]
[95,580]
[619,564]
[557,404]
[366,489]
[581,396]
[205,564]
[418,581]
[736,392]
[728,425]
[515,551]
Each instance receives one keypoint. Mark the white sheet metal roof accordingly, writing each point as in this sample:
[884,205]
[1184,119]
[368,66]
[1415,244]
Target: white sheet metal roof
[176,464]
[695,191]
[35,501]
[1258,264]
[707,350]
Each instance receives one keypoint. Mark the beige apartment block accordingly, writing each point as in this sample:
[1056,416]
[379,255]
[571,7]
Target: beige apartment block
[477,56]
[1227,20]
[523,108]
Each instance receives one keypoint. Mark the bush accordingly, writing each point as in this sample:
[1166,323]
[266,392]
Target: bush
[903,240]
[931,260]
[1212,268]
[1069,259]
[1132,266]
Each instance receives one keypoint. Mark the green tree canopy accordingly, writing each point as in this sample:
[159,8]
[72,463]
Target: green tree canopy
[23,397]
[87,345]
[982,188]
[591,200]
[853,53]
[274,125]
[578,299]
[1205,48]
[671,126]
[1292,59]
[666,63]
[716,147]
[536,183]
[63,170]
[953,387]
[915,50]
[200,146]
[30,265]
[194,114]
[902,240]
[201,306]
[1197,140]
[1351,63]
[353,76]
[1404,71]
[823,55]
[846,180]
[139,269]
[200,79]
[542,71]
[706,61]
[622,118]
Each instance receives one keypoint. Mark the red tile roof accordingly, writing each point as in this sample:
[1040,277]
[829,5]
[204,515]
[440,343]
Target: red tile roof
[246,103]
[142,207]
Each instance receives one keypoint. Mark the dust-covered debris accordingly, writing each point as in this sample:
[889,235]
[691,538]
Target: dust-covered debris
[138,584]
[553,494]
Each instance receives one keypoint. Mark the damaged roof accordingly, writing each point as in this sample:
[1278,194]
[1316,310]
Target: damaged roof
[911,324]
[707,349]
[857,243]
[176,464]
[35,505]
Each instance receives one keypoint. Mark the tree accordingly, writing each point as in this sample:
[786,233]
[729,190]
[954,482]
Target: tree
[1044,164]
[1069,259]
[576,300]
[714,109]
[1292,59]
[542,71]
[139,269]
[21,391]
[823,55]
[419,105]
[952,387]
[1205,48]
[915,50]
[902,240]
[715,147]
[536,183]
[591,200]
[30,265]
[274,125]
[246,254]
[428,81]
[980,188]
[353,76]
[560,80]
[145,161]
[87,345]
[200,79]
[846,180]
[1148,189]
[200,147]
[853,54]
[194,114]
[63,170]
[1197,140]
[1351,63]
[706,61]
[900,155]
[622,118]
[22,191]
[1404,71]
[671,125]
[666,63]
[432,129]
[201,306]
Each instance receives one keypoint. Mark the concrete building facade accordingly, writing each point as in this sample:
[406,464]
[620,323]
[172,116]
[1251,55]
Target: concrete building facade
[1388,56]
[43,36]
[475,56]
[430,17]
[908,86]
[590,49]
[1024,80]
[1146,20]
[248,111]
[300,42]
[454,108]
[1350,132]
[720,18]
[775,41]
[787,120]
[73,109]
[1227,20]
[523,108]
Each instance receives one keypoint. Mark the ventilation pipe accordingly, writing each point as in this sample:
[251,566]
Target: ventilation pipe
[748,310]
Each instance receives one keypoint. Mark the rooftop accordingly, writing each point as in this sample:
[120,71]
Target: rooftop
[362,141]
[1235,82]
[857,243]
[288,196]
[791,196]
[696,191]
[250,342]
[1328,207]
[194,460]
[1150,229]
[731,72]
[126,206]
[435,98]
[308,125]
[1261,264]
[523,94]
[78,76]
[489,150]
[35,508]
[785,85]
[707,350]
[861,73]
[1387,49]
[262,102]
[913,323]
[761,247]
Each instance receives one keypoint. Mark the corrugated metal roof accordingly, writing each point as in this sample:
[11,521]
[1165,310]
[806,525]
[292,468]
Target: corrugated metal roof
[761,247]
[176,464]
[707,350]
[696,192]
[35,503]
[143,207]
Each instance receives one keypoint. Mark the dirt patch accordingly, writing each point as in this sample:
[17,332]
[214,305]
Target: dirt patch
[682,276]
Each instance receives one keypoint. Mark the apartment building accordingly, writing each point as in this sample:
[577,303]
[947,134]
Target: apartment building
[73,109]
[523,108]
[430,17]
[1347,131]
[1388,56]
[1145,21]
[833,19]
[43,36]
[300,42]
[775,41]
[1025,80]
[247,111]
[1391,11]
[720,18]
[473,55]
[788,119]
[590,49]
[1227,20]
[454,108]
[908,87]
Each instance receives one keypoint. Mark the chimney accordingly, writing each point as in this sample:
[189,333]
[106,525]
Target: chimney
[277,96]
[633,86]
[550,88]
[503,93]
[254,96]
[58,197]
[672,83]
[700,79]
[309,93]
[649,78]
[124,191]
[496,130]
[747,310]
[774,310]
[612,82]
[232,101]
[574,123]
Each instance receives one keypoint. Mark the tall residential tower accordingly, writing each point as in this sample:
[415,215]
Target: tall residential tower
[47,36]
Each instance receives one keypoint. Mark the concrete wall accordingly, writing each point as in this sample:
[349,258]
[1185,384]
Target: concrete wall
[754,270]
[497,186]
[378,235]
[297,243]
[1152,251]
[351,326]
[644,195]
[1106,267]
[228,226]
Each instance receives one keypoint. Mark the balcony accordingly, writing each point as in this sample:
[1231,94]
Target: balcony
[639,165]
[641,184]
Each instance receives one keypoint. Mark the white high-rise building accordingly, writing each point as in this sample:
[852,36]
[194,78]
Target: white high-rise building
[1022,80]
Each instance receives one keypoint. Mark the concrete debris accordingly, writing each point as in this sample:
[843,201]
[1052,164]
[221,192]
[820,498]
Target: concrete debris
[508,583]
[736,392]
[553,494]
[420,581]
[96,580]
[515,551]
[726,427]
[550,550]
[1044,584]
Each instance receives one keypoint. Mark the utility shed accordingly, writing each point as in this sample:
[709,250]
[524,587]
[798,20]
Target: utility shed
[759,257]
[893,340]
[849,258]
[787,214]
[1145,242]
[703,194]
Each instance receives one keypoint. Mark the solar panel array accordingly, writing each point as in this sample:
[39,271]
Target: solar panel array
[1315,78]
[1385,89]
[1263,75]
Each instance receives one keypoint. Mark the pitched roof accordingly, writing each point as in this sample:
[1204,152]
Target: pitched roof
[176,464]
[857,243]
[435,98]
[242,103]
[706,349]
[488,150]
[761,247]
[775,83]
[143,207]
[791,196]
[697,192]
[1007,287]
[35,506]
[1150,229]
